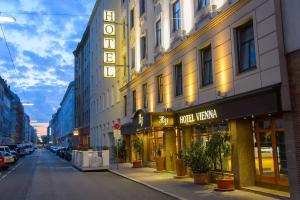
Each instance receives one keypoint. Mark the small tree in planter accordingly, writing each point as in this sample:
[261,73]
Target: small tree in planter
[120,152]
[197,159]
[218,148]
[138,148]
[180,165]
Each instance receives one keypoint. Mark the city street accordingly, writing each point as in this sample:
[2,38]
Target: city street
[42,175]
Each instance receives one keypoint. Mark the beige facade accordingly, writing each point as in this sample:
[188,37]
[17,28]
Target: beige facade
[216,26]
[219,33]
[105,101]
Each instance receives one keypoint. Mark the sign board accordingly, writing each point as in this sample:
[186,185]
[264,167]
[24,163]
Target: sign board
[117,134]
[198,116]
[76,132]
[109,44]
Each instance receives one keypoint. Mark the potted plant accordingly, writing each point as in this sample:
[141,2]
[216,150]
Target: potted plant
[218,149]
[197,159]
[138,148]
[180,165]
[160,161]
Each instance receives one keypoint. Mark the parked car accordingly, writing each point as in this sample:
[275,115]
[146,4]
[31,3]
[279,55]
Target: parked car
[8,158]
[68,154]
[61,152]
[28,148]
[21,151]
[14,150]
[54,149]
[3,165]
[5,148]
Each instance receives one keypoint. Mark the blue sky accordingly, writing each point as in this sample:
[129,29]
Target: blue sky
[41,47]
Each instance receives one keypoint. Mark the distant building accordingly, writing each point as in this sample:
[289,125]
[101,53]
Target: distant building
[5,113]
[82,88]
[61,126]
[26,129]
[17,115]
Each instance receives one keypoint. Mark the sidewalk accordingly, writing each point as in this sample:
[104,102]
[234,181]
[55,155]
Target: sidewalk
[181,188]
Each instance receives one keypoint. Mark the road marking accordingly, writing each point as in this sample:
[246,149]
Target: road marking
[9,171]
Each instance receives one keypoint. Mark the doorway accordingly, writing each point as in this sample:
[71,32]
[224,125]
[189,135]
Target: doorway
[270,154]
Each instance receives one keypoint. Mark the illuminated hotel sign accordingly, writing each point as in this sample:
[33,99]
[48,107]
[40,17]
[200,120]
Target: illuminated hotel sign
[109,44]
[198,116]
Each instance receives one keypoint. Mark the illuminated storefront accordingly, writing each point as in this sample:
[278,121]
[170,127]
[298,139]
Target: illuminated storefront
[254,122]
[157,131]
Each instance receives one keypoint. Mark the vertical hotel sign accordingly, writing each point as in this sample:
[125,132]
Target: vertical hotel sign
[109,44]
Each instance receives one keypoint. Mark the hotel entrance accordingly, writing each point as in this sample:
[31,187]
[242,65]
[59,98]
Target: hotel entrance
[270,154]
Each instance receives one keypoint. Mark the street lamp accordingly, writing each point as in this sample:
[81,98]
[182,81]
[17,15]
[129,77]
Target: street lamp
[5,19]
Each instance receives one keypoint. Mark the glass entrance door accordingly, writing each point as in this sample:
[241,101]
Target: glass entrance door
[270,155]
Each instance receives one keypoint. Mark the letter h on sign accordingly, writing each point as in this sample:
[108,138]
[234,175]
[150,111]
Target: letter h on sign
[109,16]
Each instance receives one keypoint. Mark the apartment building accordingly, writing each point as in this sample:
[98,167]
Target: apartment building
[82,89]
[212,66]
[105,42]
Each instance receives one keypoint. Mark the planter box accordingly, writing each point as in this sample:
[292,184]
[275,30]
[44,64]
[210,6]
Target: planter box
[90,160]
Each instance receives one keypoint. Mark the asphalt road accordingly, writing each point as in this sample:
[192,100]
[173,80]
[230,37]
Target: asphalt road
[44,176]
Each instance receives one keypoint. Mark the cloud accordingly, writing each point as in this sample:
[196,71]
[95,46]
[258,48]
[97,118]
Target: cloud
[41,47]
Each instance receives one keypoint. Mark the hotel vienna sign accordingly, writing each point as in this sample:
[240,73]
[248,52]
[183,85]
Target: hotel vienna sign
[198,116]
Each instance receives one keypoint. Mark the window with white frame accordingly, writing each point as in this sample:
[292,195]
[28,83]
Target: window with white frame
[158,33]
[202,4]
[131,18]
[206,66]
[145,95]
[132,57]
[178,79]
[142,7]
[245,47]
[143,47]
[176,16]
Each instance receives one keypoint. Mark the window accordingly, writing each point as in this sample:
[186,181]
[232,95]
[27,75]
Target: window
[202,4]
[145,96]
[178,79]
[206,66]
[158,32]
[143,47]
[246,47]
[131,18]
[124,29]
[132,57]
[160,92]
[125,66]
[125,105]
[176,16]
[142,7]
[133,101]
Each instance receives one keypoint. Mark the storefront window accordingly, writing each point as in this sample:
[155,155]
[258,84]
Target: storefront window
[281,155]
[270,152]
[266,153]
[203,134]
[155,142]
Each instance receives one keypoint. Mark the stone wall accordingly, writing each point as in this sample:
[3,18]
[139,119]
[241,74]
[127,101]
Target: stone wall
[293,151]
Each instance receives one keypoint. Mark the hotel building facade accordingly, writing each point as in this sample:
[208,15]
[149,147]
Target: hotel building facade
[186,69]
[200,67]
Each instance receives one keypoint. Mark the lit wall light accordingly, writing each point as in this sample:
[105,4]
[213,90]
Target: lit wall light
[151,100]
[166,25]
[168,90]
[217,3]
[137,46]
[4,19]
[188,16]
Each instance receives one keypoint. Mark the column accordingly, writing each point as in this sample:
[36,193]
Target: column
[243,162]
